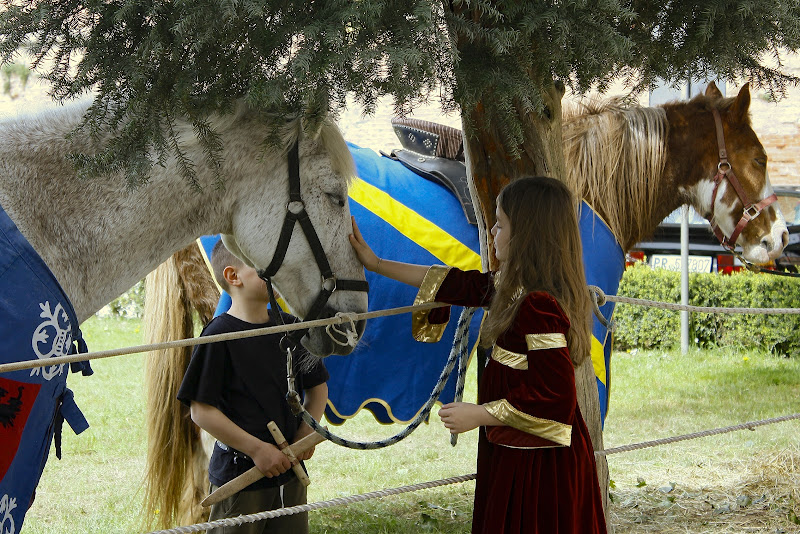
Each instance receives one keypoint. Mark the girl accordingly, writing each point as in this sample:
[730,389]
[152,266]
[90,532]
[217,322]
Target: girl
[536,468]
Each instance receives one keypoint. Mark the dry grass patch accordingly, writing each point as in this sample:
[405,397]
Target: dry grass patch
[756,494]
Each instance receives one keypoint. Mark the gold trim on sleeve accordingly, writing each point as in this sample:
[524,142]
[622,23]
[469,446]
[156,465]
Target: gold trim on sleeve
[421,329]
[554,431]
[514,360]
[545,341]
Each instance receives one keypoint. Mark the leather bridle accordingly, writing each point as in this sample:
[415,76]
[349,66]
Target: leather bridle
[725,171]
[296,213]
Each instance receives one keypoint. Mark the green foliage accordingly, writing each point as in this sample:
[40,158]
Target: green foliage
[151,62]
[647,327]
[11,70]
[131,303]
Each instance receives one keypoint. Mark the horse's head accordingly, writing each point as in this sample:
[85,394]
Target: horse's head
[325,168]
[734,192]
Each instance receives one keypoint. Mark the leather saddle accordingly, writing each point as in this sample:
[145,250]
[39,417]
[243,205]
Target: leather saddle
[435,152]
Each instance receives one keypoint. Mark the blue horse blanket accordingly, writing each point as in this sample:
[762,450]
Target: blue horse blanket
[603,264]
[37,321]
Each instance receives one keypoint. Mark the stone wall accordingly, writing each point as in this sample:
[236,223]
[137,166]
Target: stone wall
[778,126]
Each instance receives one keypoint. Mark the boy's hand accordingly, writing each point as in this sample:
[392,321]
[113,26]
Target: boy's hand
[302,432]
[306,455]
[271,461]
[461,417]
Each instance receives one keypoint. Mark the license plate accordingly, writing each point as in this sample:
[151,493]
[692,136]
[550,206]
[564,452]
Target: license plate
[672,262]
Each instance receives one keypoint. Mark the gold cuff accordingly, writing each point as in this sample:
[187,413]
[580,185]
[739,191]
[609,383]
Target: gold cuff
[503,411]
[421,329]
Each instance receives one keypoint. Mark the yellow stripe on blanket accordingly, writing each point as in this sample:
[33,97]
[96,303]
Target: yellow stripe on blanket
[417,228]
[599,360]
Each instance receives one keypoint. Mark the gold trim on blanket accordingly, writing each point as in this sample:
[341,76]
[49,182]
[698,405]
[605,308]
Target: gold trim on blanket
[421,329]
[554,431]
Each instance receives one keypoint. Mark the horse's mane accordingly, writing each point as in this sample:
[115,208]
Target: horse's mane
[327,133]
[58,121]
[615,154]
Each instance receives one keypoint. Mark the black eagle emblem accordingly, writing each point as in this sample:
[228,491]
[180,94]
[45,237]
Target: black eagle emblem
[9,408]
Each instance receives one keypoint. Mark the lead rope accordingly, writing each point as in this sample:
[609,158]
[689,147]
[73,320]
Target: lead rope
[457,352]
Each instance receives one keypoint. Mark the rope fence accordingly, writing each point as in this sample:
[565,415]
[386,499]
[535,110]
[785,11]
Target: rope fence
[341,501]
[700,309]
[600,297]
[190,342]
[751,425]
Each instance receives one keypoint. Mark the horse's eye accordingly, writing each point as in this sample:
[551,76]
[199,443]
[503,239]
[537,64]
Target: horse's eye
[761,162]
[337,199]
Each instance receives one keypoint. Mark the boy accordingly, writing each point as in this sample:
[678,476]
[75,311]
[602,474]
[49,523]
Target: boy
[234,388]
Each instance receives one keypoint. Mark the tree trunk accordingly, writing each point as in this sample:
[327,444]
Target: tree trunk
[490,167]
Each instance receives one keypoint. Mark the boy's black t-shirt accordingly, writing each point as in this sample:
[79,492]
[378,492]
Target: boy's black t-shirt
[246,380]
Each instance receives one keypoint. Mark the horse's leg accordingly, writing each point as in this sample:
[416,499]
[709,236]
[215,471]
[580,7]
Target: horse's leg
[176,476]
[589,402]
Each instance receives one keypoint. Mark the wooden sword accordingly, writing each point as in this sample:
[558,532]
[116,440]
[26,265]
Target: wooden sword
[253,474]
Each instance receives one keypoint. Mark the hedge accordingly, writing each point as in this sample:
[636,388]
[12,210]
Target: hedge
[647,327]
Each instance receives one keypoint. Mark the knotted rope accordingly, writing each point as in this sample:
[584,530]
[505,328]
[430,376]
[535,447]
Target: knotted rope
[350,334]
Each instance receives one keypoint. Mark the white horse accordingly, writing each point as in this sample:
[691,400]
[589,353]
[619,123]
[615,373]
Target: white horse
[99,237]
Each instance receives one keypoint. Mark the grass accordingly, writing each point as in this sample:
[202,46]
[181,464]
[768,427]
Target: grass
[744,481]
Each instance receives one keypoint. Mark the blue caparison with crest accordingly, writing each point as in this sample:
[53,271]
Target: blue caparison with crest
[37,321]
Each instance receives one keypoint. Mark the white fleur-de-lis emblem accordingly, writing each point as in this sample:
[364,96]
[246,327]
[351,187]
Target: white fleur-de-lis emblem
[7,504]
[53,337]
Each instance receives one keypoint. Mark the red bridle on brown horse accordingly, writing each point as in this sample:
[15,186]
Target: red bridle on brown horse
[725,170]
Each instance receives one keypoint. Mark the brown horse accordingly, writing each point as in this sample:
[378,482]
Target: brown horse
[634,165]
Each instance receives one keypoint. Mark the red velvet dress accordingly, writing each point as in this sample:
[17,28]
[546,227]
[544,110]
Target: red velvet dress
[536,474]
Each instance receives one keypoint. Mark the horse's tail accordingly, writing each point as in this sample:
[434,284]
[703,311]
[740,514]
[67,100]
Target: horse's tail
[176,477]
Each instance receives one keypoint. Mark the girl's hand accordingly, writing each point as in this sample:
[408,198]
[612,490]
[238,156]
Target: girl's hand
[461,417]
[363,251]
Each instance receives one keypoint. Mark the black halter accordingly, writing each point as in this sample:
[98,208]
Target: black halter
[296,212]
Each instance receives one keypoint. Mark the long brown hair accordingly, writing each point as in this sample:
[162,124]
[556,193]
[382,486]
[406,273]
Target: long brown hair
[544,254]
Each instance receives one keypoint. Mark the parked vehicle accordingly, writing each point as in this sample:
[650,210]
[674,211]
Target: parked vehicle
[705,252]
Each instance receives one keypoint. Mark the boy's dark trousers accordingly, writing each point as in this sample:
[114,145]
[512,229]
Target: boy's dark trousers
[253,502]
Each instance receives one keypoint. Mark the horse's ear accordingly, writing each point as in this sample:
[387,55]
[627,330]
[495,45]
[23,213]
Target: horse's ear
[712,91]
[741,105]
